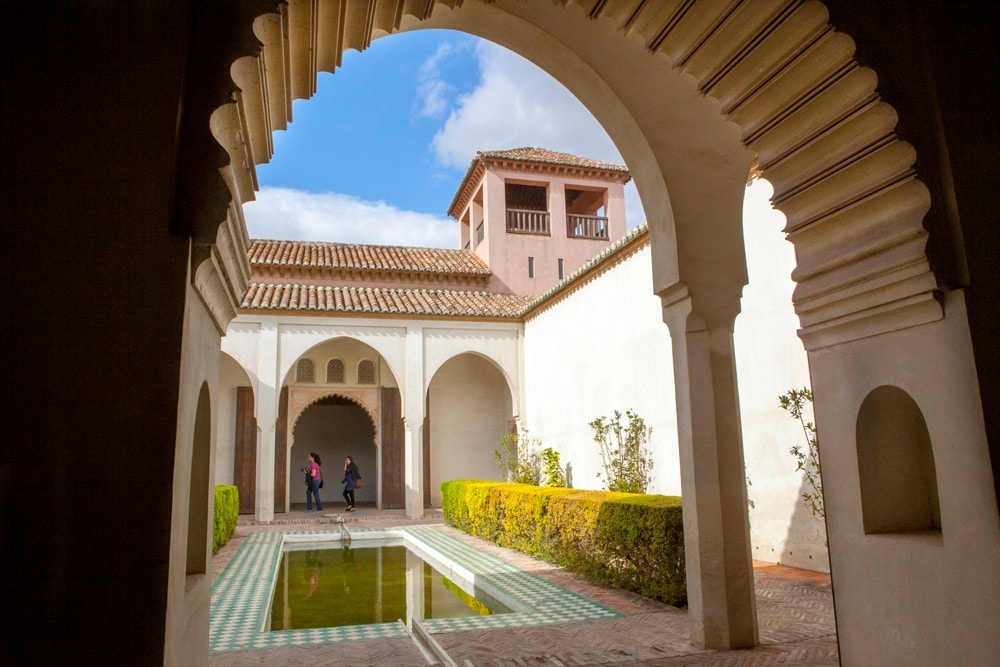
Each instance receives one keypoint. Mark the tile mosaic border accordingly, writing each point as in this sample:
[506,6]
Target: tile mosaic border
[240,595]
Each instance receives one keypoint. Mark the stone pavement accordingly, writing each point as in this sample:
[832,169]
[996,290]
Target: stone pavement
[794,611]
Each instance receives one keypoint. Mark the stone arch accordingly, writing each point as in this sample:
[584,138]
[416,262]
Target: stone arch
[367,403]
[455,445]
[432,370]
[724,84]
[311,397]
[709,88]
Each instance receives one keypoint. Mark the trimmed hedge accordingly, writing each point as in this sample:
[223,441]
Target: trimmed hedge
[227,508]
[625,540]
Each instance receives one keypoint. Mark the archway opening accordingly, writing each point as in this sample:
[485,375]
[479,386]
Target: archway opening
[334,427]
[468,412]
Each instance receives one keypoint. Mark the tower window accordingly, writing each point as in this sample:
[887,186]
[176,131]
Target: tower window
[531,267]
[561,272]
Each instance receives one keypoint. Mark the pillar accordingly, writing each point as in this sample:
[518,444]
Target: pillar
[720,584]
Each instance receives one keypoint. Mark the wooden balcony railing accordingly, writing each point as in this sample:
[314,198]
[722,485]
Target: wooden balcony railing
[527,222]
[586,226]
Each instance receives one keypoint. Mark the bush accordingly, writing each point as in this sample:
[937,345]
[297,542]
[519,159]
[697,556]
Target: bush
[521,461]
[624,540]
[227,508]
[625,454]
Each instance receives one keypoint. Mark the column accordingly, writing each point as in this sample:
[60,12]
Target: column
[413,409]
[720,584]
[267,411]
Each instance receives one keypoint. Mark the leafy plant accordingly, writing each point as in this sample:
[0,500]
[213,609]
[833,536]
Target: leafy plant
[625,454]
[552,472]
[521,461]
[794,402]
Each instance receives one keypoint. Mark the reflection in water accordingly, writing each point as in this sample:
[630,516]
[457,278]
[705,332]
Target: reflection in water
[320,588]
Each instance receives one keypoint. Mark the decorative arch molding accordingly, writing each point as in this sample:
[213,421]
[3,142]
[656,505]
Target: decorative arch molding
[300,399]
[493,363]
[777,72]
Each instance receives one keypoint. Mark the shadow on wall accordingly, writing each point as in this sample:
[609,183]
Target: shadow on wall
[805,542]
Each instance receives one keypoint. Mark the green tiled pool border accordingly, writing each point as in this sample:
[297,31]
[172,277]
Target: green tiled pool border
[240,596]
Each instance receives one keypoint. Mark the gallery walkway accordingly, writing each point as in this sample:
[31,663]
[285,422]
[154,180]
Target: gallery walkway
[795,617]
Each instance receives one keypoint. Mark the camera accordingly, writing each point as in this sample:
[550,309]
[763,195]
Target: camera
[303,469]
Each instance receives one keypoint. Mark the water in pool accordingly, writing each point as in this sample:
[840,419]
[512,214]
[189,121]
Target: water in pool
[344,585]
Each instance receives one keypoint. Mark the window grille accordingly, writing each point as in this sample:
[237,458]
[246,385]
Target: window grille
[366,372]
[305,371]
[335,371]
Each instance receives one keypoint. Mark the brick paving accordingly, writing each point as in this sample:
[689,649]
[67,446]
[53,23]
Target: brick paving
[794,610]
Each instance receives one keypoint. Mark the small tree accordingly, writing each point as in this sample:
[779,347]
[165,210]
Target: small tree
[625,454]
[521,461]
[794,402]
[552,472]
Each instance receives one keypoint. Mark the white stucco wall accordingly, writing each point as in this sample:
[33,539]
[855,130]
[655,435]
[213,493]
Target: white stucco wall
[579,364]
[770,360]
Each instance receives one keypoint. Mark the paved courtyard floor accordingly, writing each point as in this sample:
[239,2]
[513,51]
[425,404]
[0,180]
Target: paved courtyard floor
[794,611]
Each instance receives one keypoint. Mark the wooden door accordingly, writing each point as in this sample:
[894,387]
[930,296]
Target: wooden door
[393,450]
[281,453]
[245,459]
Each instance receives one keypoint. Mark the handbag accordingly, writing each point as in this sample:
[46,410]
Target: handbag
[321,483]
[357,483]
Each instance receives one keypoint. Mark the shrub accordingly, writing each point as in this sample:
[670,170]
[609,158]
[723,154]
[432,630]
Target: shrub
[625,455]
[552,472]
[624,540]
[794,402]
[227,508]
[521,462]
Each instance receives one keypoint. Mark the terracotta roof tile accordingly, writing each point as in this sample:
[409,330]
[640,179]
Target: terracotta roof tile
[383,301]
[534,154]
[531,155]
[352,256]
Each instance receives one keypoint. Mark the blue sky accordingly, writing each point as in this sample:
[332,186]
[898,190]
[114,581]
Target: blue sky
[377,154]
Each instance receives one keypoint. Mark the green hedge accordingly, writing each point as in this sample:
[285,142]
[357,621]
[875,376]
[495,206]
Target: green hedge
[625,540]
[227,508]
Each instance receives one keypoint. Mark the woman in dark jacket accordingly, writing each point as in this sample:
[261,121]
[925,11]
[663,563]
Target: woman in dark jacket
[351,477]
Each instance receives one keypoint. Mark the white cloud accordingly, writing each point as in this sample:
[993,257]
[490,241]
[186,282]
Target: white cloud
[433,92]
[517,104]
[294,215]
[433,98]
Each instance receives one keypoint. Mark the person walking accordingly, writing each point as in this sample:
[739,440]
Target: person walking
[352,480]
[314,480]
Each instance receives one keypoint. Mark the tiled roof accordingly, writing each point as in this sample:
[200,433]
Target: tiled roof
[534,154]
[531,155]
[305,299]
[354,256]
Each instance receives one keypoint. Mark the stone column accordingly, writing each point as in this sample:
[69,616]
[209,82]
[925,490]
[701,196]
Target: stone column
[413,409]
[267,413]
[720,582]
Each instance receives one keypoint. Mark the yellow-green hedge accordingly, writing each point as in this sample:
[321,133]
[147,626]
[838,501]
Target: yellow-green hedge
[227,508]
[626,540]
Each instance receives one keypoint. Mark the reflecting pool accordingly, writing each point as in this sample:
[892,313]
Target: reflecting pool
[320,586]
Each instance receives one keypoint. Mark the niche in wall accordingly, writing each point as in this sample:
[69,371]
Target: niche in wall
[896,464]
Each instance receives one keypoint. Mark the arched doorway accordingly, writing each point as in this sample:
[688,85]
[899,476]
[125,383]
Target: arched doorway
[468,412]
[334,427]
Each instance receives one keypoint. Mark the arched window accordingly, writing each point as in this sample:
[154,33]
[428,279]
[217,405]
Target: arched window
[896,464]
[366,371]
[335,371]
[305,371]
